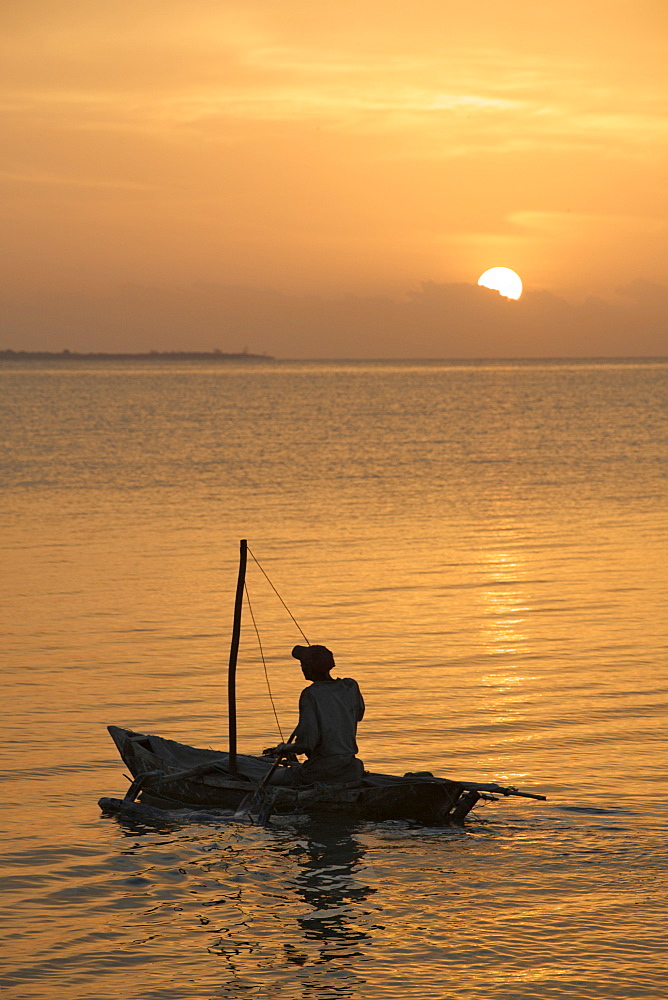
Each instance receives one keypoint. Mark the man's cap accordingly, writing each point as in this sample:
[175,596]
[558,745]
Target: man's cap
[314,654]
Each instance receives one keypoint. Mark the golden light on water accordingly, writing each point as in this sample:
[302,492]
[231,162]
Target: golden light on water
[473,541]
[503,280]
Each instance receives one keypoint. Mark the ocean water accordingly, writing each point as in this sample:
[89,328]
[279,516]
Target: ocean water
[483,546]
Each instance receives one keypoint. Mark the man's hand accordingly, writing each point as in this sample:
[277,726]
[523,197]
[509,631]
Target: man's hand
[288,750]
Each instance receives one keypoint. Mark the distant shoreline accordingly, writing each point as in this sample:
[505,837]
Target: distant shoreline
[221,356]
[9,355]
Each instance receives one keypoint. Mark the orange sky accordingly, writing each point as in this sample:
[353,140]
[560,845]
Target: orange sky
[159,151]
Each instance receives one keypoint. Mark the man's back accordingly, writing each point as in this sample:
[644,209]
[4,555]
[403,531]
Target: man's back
[328,715]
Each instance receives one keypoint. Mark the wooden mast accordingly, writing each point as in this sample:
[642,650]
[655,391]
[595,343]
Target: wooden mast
[234,649]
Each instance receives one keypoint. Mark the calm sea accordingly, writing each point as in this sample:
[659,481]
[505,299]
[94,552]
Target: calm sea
[483,546]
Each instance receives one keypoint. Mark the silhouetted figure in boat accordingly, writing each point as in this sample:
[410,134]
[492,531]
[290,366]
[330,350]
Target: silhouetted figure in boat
[329,710]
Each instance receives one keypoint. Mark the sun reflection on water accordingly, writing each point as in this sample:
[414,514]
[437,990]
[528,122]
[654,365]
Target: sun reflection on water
[506,639]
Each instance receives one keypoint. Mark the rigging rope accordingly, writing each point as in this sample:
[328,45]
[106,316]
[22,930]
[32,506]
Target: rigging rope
[264,663]
[259,641]
[278,596]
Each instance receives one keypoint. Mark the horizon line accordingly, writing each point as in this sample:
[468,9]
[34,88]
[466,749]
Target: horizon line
[155,355]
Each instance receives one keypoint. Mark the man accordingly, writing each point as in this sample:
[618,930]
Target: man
[329,710]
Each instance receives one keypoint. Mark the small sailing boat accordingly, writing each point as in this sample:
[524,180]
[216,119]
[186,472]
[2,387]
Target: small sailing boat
[170,775]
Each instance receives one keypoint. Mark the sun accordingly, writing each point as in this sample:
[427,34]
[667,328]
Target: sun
[503,280]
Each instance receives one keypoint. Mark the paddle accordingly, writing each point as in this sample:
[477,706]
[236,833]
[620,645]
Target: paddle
[257,801]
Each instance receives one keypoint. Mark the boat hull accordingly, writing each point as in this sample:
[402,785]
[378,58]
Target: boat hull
[176,776]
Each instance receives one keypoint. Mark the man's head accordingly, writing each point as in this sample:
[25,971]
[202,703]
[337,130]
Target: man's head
[316,661]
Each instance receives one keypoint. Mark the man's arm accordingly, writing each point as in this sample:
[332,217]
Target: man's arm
[307,733]
[362,706]
[284,750]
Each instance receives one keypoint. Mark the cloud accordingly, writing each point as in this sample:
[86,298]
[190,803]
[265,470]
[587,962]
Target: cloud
[433,321]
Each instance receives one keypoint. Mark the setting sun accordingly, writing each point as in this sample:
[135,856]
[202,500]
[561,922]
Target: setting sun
[502,280]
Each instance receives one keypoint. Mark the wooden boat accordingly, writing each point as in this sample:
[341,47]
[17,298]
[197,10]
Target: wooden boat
[175,776]
[171,775]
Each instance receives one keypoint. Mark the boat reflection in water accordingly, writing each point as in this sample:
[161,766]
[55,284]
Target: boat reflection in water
[298,920]
[330,860]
